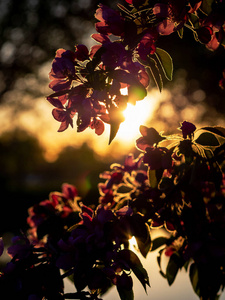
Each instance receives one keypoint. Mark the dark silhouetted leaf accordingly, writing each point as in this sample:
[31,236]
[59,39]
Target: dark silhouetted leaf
[97,79]
[116,117]
[136,266]
[159,263]
[124,77]
[172,268]
[80,277]
[95,60]
[193,274]
[141,231]
[215,129]
[77,295]
[114,127]
[206,6]
[207,139]
[125,287]
[158,242]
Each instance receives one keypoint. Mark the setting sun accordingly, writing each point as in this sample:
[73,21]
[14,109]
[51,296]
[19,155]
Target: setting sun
[135,115]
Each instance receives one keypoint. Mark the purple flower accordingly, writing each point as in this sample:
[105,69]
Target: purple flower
[98,126]
[124,211]
[187,129]
[100,38]
[214,25]
[115,178]
[161,10]
[146,46]
[110,21]
[174,15]
[158,158]
[63,70]
[130,164]
[64,116]
[114,55]
[69,191]
[149,138]
[21,247]
[81,52]
[84,115]
[107,197]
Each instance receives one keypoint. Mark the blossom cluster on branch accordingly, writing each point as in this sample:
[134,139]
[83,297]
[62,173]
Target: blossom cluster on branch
[88,83]
[176,183]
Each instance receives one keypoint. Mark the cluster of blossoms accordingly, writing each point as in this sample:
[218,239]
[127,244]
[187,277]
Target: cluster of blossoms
[176,183]
[88,83]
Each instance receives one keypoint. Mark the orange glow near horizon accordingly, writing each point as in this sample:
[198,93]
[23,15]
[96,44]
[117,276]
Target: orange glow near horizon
[40,123]
[125,139]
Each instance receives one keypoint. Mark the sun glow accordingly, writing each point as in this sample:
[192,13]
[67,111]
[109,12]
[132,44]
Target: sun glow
[135,115]
[133,243]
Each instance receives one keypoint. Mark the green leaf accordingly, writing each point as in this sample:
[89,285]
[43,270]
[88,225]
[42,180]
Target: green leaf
[181,32]
[154,73]
[152,70]
[172,268]
[207,139]
[166,62]
[194,19]
[206,6]
[193,274]
[158,242]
